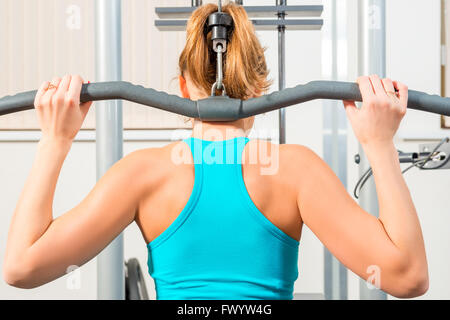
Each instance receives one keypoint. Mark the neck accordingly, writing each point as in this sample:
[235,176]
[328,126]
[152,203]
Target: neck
[218,131]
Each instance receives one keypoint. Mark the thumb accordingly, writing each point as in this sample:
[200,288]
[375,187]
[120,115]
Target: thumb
[350,109]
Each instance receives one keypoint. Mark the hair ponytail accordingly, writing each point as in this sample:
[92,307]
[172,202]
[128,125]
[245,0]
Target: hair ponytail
[245,69]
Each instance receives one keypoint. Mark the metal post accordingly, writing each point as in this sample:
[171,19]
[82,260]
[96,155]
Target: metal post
[196,3]
[372,21]
[334,144]
[109,139]
[281,71]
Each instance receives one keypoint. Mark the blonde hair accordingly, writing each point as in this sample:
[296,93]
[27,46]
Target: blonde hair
[245,69]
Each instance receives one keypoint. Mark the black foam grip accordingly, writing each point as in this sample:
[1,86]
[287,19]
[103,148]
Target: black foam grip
[110,91]
[336,90]
[226,109]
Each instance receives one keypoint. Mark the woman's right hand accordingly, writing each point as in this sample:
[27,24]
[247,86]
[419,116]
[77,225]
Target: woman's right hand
[377,121]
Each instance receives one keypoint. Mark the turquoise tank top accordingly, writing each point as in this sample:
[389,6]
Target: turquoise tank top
[221,246]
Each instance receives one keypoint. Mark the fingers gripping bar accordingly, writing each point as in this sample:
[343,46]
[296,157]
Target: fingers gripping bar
[221,108]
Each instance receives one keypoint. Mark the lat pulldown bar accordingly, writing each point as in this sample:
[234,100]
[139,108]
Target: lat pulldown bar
[221,108]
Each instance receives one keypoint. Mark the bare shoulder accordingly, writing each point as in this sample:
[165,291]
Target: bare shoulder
[151,165]
[159,160]
[299,153]
[303,162]
[148,157]
[289,156]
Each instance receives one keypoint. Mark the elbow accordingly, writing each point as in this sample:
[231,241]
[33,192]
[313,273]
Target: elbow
[421,287]
[414,285]
[412,282]
[15,275]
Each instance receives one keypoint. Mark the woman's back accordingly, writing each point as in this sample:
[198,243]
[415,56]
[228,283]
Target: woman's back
[219,229]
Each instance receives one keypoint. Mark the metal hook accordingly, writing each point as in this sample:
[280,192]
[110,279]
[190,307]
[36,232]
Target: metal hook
[219,66]
[215,87]
[219,79]
[221,24]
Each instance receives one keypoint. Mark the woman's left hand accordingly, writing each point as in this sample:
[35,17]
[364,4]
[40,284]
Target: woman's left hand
[58,108]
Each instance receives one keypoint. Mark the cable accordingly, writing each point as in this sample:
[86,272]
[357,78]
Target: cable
[420,163]
[440,165]
[369,172]
[361,181]
[364,178]
[446,140]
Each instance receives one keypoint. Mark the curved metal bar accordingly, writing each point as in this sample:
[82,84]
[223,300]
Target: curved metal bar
[221,108]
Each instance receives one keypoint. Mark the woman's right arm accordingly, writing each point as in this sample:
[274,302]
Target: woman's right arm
[391,244]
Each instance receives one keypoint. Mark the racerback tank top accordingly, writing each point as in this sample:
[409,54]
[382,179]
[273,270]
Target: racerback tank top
[221,246]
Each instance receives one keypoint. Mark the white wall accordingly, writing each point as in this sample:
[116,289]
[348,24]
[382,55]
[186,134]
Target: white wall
[412,57]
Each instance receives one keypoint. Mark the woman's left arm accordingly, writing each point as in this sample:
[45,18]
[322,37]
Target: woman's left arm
[40,248]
